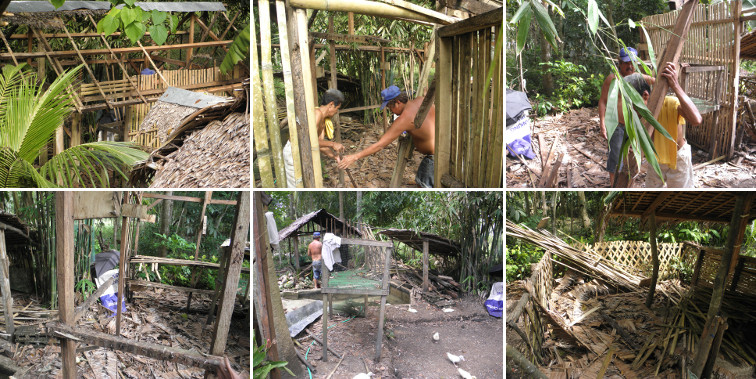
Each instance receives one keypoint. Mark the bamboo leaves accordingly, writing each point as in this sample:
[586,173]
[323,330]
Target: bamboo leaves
[523,16]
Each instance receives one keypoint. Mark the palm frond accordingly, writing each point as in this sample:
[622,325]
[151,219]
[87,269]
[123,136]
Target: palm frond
[88,164]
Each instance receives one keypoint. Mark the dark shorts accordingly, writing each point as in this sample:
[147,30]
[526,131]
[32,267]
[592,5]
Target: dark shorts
[615,148]
[424,176]
[316,265]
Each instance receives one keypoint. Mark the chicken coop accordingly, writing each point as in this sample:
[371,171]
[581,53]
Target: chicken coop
[369,279]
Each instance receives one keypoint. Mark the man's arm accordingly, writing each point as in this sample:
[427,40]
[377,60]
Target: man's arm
[400,124]
[602,103]
[688,110]
[325,145]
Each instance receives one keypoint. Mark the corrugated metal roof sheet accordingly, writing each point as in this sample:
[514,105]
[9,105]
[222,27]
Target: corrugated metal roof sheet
[44,6]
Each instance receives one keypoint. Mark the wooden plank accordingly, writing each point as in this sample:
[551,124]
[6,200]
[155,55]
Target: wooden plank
[289,92]
[443,109]
[360,108]
[309,100]
[366,7]
[147,349]
[148,259]
[239,237]
[405,150]
[5,286]
[425,265]
[95,204]
[269,94]
[122,263]
[485,20]
[64,247]
[330,36]
[355,291]
[137,211]
[136,283]
[382,312]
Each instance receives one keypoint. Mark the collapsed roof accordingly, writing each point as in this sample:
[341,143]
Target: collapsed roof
[320,217]
[414,239]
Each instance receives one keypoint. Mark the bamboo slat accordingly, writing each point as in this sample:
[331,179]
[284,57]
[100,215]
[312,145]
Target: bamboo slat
[269,93]
[260,137]
[289,92]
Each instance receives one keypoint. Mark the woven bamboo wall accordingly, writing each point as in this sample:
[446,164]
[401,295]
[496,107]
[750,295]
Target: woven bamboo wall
[176,78]
[475,127]
[636,255]
[745,270]
[710,42]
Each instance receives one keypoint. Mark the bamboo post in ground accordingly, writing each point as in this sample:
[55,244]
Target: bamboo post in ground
[269,92]
[335,85]
[654,259]
[384,112]
[122,263]
[425,265]
[307,76]
[260,133]
[64,246]
[735,86]
[200,232]
[289,91]
[5,286]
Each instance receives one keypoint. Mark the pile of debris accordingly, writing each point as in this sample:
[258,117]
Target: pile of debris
[442,289]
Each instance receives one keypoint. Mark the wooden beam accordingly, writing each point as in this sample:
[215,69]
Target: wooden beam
[147,349]
[122,264]
[671,54]
[486,20]
[330,36]
[119,50]
[144,283]
[425,265]
[429,99]
[5,286]
[440,17]
[355,291]
[64,247]
[239,237]
[660,198]
[148,259]
[370,8]
[361,242]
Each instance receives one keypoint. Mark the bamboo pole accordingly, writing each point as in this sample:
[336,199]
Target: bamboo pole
[307,75]
[269,93]
[260,136]
[335,85]
[289,91]
[370,8]
[735,84]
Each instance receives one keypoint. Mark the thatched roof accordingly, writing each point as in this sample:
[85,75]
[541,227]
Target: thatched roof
[216,156]
[414,239]
[320,217]
[748,46]
[707,206]
[16,232]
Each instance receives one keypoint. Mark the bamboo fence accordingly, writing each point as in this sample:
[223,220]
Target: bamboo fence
[470,114]
[636,255]
[743,274]
[711,41]
[175,78]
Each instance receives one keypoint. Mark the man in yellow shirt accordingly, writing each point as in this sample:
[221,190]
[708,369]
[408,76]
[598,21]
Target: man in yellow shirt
[674,156]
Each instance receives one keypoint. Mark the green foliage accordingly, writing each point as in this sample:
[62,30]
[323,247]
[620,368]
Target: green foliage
[85,286]
[239,50]
[520,257]
[134,22]
[684,269]
[262,367]
[30,114]
[176,244]
[573,88]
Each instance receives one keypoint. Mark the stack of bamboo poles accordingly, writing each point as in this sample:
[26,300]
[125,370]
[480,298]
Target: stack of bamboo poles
[576,260]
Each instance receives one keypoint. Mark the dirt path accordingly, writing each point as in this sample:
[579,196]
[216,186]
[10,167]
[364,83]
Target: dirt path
[586,151]
[411,353]
[373,171]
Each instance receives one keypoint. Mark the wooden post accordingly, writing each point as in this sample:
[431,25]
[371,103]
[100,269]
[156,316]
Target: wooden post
[269,93]
[335,85]
[697,267]
[715,345]
[239,238]
[259,123]
[289,92]
[307,76]
[654,259]
[425,265]
[705,344]
[735,85]
[122,263]
[5,286]
[350,22]
[382,313]
[190,51]
[383,86]
[324,274]
[443,110]
[64,247]
[200,232]
[76,129]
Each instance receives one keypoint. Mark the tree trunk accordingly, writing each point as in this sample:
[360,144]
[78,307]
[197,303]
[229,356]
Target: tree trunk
[359,206]
[654,259]
[166,214]
[555,200]
[544,205]
[584,210]
[548,79]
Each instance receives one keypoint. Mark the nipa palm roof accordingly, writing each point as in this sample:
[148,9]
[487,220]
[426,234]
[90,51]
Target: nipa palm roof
[414,239]
[320,217]
[707,206]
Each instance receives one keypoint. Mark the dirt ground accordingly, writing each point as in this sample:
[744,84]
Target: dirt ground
[156,317]
[373,171]
[409,351]
[586,151]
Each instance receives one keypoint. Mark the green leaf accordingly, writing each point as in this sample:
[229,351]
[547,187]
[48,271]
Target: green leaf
[611,117]
[651,52]
[525,7]
[544,21]
[57,3]
[238,50]
[135,31]
[522,30]
[158,17]
[109,24]
[593,18]
[173,20]
[158,33]
[128,16]
[130,3]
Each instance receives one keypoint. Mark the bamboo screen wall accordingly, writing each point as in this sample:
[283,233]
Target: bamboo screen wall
[469,124]
[711,41]
[636,255]
[707,265]
[176,78]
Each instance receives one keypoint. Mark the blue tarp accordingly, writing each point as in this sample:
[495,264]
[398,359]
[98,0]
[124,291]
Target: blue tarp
[495,302]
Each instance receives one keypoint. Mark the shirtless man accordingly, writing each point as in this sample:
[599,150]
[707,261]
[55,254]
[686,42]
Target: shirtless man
[329,106]
[424,138]
[314,251]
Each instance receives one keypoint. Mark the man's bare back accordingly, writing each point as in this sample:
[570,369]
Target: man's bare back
[314,250]
[425,137]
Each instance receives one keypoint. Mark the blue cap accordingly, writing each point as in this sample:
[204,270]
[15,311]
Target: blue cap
[147,71]
[316,234]
[628,54]
[389,94]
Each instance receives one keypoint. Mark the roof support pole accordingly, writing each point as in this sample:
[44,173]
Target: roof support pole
[732,249]
[654,259]
[5,285]
[425,265]
[737,6]
[122,264]
[64,246]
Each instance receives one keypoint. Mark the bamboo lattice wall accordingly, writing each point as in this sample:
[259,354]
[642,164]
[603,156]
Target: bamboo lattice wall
[744,271]
[175,78]
[710,41]
[474,153]
[636,255]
